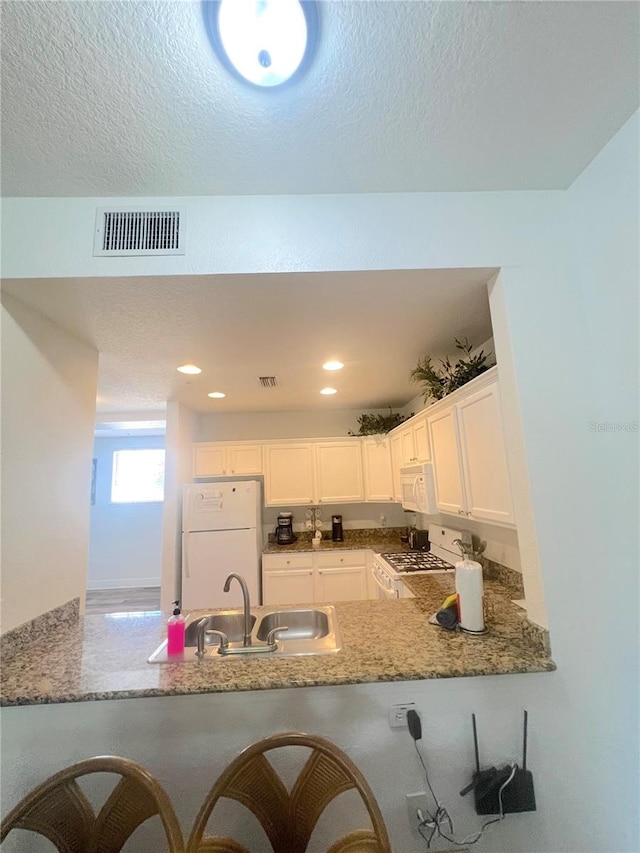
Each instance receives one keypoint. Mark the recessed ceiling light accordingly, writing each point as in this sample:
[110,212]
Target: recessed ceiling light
[217,395]
[189,368]
[333,365]
[264,41]
[328,391]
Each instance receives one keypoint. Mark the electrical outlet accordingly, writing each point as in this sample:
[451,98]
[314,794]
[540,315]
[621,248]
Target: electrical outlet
[398,715]
[414,802]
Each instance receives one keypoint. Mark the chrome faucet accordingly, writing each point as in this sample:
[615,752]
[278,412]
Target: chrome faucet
[203,629]
[247,605]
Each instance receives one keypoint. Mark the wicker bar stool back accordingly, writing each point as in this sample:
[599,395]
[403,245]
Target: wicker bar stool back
[289,818]
[59,810]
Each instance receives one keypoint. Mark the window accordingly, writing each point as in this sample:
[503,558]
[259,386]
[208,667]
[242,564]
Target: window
[138,476]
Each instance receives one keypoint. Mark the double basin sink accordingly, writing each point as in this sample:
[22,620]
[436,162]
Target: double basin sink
[312,631]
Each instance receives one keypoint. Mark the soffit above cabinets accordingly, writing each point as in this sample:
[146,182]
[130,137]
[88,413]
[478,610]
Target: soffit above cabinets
[239,328]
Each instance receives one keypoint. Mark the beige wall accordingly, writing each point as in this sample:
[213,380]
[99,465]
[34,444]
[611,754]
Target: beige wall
[266,425]
[48,408]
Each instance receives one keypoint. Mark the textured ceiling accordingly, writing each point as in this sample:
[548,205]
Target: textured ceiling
[237,328]
[126,98]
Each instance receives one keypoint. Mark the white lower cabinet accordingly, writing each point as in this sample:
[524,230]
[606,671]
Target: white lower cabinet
[306,578]
[287,580]
[341,576]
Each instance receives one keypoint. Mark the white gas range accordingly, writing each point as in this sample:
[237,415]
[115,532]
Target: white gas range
[388,569]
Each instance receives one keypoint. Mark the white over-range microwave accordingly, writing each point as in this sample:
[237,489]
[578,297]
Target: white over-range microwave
[417,489]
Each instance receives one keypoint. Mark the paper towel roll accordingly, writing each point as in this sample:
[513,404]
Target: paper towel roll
[470,589]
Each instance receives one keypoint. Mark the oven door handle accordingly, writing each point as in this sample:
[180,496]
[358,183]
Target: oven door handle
[388,590]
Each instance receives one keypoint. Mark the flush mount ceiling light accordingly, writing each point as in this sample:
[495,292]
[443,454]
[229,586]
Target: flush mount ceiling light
[264,41]
[328,391]
[333,365]
[217,395]
[190,369]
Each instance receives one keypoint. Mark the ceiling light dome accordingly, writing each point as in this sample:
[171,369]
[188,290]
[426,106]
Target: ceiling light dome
[264,41]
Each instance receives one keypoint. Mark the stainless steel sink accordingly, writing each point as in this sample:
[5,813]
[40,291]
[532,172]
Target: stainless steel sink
[312,631]
[230,623]
[301,625]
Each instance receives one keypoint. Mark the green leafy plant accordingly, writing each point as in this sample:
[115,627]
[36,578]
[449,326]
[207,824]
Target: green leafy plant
[375,424]
[438,382]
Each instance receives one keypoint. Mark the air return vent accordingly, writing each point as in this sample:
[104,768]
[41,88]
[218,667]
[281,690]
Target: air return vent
[139,232]
[268,381]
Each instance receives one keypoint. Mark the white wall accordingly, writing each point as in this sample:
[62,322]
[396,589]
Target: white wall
[181,430]
[48,407]
[125,540]
[569,272]
[187,741]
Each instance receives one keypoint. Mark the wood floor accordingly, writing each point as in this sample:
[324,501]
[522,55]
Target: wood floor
[122,600]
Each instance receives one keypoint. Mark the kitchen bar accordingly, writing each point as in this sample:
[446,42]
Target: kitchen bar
[105,657]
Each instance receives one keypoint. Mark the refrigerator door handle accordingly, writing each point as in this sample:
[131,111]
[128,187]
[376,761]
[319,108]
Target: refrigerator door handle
[185,557]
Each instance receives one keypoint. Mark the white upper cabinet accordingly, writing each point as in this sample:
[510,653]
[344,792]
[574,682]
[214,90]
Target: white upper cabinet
[221,459]
[245,458]
[446,462]
[471,473]
[378,476]
[289,474]
[484,459]
[421,444]
[339,476]
[407,445]
[412,442]
[395,442]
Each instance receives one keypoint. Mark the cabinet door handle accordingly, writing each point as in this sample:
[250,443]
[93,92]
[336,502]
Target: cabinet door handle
[461,512]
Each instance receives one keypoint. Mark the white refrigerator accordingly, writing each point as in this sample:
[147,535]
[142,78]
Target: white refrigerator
[221,533]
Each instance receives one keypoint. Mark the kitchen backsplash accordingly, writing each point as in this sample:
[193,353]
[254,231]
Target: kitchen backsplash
[354,517]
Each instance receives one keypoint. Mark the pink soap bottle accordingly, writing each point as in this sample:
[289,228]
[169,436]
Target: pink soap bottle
[175,632]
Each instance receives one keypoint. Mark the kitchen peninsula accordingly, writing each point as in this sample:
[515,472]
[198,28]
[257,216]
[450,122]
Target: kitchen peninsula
[105,657]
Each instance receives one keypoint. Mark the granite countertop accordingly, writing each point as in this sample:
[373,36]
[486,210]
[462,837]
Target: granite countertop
[381,540]
[105,657]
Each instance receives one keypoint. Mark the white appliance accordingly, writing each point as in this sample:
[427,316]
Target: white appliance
[221,533]
[388,569]
[418,490]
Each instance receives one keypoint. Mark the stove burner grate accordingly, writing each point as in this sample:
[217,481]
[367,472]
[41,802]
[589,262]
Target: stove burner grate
[418,561]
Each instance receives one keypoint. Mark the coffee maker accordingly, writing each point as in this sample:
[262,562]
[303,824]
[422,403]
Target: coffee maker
[337,534]
[284,529]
